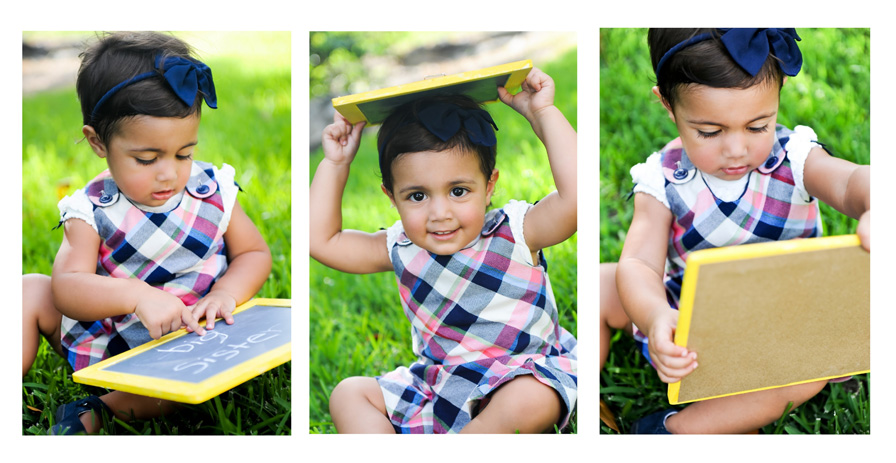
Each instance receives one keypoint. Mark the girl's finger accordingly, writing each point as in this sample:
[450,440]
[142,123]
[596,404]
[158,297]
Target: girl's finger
[190,321]
[211,313]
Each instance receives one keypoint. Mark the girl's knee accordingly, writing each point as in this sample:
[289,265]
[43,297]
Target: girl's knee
[36,293]
[611,312]
[532,406]
[351,390]
[801,393]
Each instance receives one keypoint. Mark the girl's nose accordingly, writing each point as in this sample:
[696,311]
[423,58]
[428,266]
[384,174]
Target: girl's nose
[167,170]
[439,209]
[735,145]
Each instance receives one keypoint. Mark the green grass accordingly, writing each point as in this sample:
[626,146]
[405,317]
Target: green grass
[357,324]
[251,131]
[831,94]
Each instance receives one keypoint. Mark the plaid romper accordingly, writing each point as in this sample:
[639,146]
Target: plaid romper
[479,318]
[178,248]
[773,206]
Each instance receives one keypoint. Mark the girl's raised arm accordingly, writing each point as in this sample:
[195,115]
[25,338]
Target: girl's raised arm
[554,218]
[348,251]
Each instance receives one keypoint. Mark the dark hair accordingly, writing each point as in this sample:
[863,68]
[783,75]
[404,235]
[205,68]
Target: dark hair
[117,57]
[706,63]
[403,133]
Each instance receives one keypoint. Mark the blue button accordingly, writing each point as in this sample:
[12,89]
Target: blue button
[680,173]
[202,189]
[105,198]
[771,162]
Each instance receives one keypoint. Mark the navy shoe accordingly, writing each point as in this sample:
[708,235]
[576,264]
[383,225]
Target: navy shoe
[654,423]
[68,419]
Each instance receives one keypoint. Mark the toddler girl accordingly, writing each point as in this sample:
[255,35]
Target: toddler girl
[473,283]
[732,177]
[157,241]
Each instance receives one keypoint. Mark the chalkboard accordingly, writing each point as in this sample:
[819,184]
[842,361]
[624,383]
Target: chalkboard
[481,85]
[189,368]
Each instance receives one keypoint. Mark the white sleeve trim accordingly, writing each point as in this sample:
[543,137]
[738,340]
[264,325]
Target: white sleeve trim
[648,178]
[392,234]
[77,206]
[516,214]
[801,142]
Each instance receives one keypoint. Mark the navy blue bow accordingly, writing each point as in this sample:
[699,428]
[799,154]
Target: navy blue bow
[750,48]
[444,120]
[186,77]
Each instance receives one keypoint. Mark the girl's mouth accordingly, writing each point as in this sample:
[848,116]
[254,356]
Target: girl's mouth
[443,235]
[162,195]
[736,170]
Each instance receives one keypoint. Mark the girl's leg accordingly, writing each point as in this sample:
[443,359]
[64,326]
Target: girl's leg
[39,317]
[612,317]
[523,405]
[740,413]
[357,407]
[127,407]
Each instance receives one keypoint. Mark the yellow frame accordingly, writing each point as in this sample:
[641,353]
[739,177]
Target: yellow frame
[348,105]
[181,391]
[724,254]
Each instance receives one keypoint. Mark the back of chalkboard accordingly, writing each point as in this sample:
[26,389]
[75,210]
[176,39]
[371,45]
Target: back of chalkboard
[761,316]
[185,367]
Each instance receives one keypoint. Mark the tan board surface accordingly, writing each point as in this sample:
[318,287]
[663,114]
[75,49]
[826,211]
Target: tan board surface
[778,314]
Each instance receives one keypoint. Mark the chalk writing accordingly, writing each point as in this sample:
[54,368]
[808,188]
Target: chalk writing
[193,358]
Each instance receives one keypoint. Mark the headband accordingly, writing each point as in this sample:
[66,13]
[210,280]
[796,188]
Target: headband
[750,48]
[186,77]
[444,120]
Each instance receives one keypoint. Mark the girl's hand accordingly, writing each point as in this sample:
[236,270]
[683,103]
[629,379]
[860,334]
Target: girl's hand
[162,312]
[672,362]
[863,229]
[536,94]
[215,304]
[340,140]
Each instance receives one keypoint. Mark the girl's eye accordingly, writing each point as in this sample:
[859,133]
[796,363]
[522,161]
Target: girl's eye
[416,197]
[703,134]
[145,162]
[457,192]
[185,157]
[762,129]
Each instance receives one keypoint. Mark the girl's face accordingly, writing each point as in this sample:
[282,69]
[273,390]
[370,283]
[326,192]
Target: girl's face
[441,197]
[150,158]
[727,132]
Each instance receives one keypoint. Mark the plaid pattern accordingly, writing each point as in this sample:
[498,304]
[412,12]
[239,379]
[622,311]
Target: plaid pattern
[180,251]
[772,208]
[479,318]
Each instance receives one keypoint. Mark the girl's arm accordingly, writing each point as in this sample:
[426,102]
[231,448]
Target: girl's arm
[79,293]
[553,219]
[639,282]
[843,185]
[349,251]
[248,266]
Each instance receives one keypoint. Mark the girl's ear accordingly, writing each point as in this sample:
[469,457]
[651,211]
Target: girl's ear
[388,193]
[94,140]
[656,91]
[490,186]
